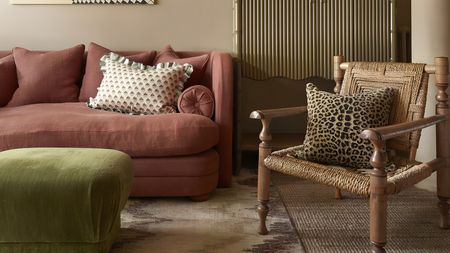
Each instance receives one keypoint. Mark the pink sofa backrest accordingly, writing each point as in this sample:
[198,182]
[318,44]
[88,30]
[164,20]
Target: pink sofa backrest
[206,77]
[4,53]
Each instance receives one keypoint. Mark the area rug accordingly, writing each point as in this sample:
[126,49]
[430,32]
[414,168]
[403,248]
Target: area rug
[325,224]
[225,223]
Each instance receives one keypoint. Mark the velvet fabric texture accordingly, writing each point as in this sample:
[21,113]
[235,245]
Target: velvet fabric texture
[62,200]
[50,77]
[76,125]
[197,99]
[8,79]
[93,75]
[198,62]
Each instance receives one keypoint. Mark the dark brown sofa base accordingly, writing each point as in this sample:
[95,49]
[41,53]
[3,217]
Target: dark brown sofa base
[194,187]
[194,176]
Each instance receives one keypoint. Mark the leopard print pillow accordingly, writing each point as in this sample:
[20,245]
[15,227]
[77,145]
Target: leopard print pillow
[335,122]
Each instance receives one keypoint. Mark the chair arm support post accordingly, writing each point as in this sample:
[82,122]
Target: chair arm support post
[338,73]
[277,113]
[443,139]
[378,197]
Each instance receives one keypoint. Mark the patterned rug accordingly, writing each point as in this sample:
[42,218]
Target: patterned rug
[299,209]
[325,224]
[225,223]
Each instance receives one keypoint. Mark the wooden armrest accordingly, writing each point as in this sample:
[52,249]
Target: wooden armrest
[392,131]
[277,113]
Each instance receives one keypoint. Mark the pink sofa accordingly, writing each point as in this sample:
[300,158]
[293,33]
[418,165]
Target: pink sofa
[174,154]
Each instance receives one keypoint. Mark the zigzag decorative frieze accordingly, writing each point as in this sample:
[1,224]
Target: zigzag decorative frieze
[113,1]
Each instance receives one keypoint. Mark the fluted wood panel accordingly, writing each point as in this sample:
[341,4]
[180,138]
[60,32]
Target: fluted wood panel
[297,38]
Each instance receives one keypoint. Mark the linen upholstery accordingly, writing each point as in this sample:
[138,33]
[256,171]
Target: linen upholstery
[193,175]
[76,125]
[198,62]
[221,73]
[218,77]
[8,79]
[197,99]
[4,53]
[93,75]
[50,77]
[62,200]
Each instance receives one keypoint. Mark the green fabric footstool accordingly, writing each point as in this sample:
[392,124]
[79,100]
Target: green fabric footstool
[62,200]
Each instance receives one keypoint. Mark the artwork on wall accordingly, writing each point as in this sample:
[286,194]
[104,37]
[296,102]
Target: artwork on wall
[82,1]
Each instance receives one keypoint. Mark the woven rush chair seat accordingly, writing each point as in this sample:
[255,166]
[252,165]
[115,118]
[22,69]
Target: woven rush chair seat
[403,174]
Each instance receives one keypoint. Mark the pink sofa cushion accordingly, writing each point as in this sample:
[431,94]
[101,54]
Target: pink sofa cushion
[50,77]
[93,75]
[8,79]
[198,62]
[76,125]
[198,100]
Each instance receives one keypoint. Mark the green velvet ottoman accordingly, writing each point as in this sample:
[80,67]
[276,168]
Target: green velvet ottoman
[62,200]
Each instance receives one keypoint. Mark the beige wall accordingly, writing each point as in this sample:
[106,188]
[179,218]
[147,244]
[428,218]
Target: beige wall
[430,38]
[186,24]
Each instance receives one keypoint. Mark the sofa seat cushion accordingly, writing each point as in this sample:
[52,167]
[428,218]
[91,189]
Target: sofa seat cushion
[76,125]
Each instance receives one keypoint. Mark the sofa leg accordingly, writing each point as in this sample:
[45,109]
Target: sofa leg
[200,198]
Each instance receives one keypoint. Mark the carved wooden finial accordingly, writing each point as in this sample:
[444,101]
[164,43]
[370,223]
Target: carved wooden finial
[379,157]
[442,72]
[265,135]
[338,72]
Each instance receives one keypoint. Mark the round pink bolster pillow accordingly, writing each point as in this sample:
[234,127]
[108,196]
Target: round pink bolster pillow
[197,99]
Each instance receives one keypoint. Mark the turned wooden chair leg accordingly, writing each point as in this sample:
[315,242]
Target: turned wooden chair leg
[263,177]
[263,197]
[337,193]
[378,199]
[444,209]
[378,222]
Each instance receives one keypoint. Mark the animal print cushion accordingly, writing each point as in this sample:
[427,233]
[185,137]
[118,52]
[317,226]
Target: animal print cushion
[335,122]
[134,88]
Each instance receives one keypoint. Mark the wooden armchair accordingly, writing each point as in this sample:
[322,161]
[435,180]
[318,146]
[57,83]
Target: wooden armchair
[401,137]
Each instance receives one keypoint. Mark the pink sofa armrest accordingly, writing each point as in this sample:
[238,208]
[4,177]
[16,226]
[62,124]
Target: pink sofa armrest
[222,87]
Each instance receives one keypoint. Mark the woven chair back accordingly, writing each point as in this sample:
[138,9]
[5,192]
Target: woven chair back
[410,82]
